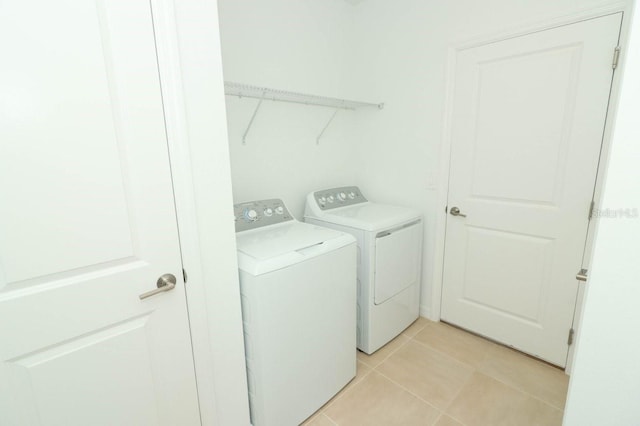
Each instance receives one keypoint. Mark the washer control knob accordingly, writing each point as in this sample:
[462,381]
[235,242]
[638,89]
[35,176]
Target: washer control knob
[352,195]
[322,201]
[268,211]
[341,196]
[330,199]
[250,215]
[279,210]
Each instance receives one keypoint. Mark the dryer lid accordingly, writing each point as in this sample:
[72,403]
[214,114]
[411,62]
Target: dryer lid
[367,216]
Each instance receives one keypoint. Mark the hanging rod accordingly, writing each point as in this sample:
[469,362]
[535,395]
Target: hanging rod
[248,91]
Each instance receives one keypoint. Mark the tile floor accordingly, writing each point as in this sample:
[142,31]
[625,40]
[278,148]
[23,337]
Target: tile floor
[435,374]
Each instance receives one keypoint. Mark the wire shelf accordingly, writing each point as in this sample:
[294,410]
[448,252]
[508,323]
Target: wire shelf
[248,91]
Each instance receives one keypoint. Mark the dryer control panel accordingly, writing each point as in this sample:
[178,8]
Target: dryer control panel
[256,214]
[338,197]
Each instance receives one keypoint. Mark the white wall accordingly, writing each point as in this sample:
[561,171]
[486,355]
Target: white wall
[378,50]
[292,45]
[605,384]
[401,59]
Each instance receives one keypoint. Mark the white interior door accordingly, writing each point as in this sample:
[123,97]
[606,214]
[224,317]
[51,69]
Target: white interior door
[528,119]
[87,222]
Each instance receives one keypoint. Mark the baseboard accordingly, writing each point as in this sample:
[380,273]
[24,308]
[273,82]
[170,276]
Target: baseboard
[425,312]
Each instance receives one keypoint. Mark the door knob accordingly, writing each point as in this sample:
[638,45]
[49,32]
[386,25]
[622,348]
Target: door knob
[454,211]
[166,282]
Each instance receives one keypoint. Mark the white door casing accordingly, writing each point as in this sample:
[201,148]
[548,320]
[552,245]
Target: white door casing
[528,119]
[87,223]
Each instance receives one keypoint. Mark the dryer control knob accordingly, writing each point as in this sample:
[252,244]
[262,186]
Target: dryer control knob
[342,196]
[330,199]
[322,201]
[268,212]
[250,215]
[352,195]
[279,210]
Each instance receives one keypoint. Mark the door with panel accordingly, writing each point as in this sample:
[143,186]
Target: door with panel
[528,121]
[87,223]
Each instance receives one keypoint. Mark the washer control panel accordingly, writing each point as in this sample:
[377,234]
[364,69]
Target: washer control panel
[256,214]
[338,197]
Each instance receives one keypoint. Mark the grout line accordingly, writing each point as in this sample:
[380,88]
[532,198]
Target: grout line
[543,401]
[372,368]
[487,352]
[456,419]
[444,413]
[390,353]
[441,412]
[366,365]
[417,331]
[393,352]
[520,389]
[439,352]
[457,394]
[439,417]
[407,390]
[428,346]
[343,392]
[528,394]
[329,418]
[409,338]
[446,355]
[364,362]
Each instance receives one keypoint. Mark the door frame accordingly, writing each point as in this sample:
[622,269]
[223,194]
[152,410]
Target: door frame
[190,68]
[445,147]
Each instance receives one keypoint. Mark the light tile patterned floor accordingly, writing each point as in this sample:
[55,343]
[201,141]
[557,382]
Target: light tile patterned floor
[435,374]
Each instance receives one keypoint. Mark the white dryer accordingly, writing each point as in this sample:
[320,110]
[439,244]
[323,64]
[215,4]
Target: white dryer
[389,259]
[298,291]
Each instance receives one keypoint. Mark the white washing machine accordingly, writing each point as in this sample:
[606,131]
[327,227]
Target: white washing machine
[389,259]
[298,290]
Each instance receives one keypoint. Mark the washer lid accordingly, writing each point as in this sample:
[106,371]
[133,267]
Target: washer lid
[275,247]
[367,216]
[277,240]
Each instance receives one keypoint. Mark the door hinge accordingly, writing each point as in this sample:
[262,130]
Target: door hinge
[570,339]
[184,275]
[616,57]
[591,208]
[582,275]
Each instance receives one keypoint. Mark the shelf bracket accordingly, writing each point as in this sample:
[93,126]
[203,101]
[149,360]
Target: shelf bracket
[327,125]
[253,117]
